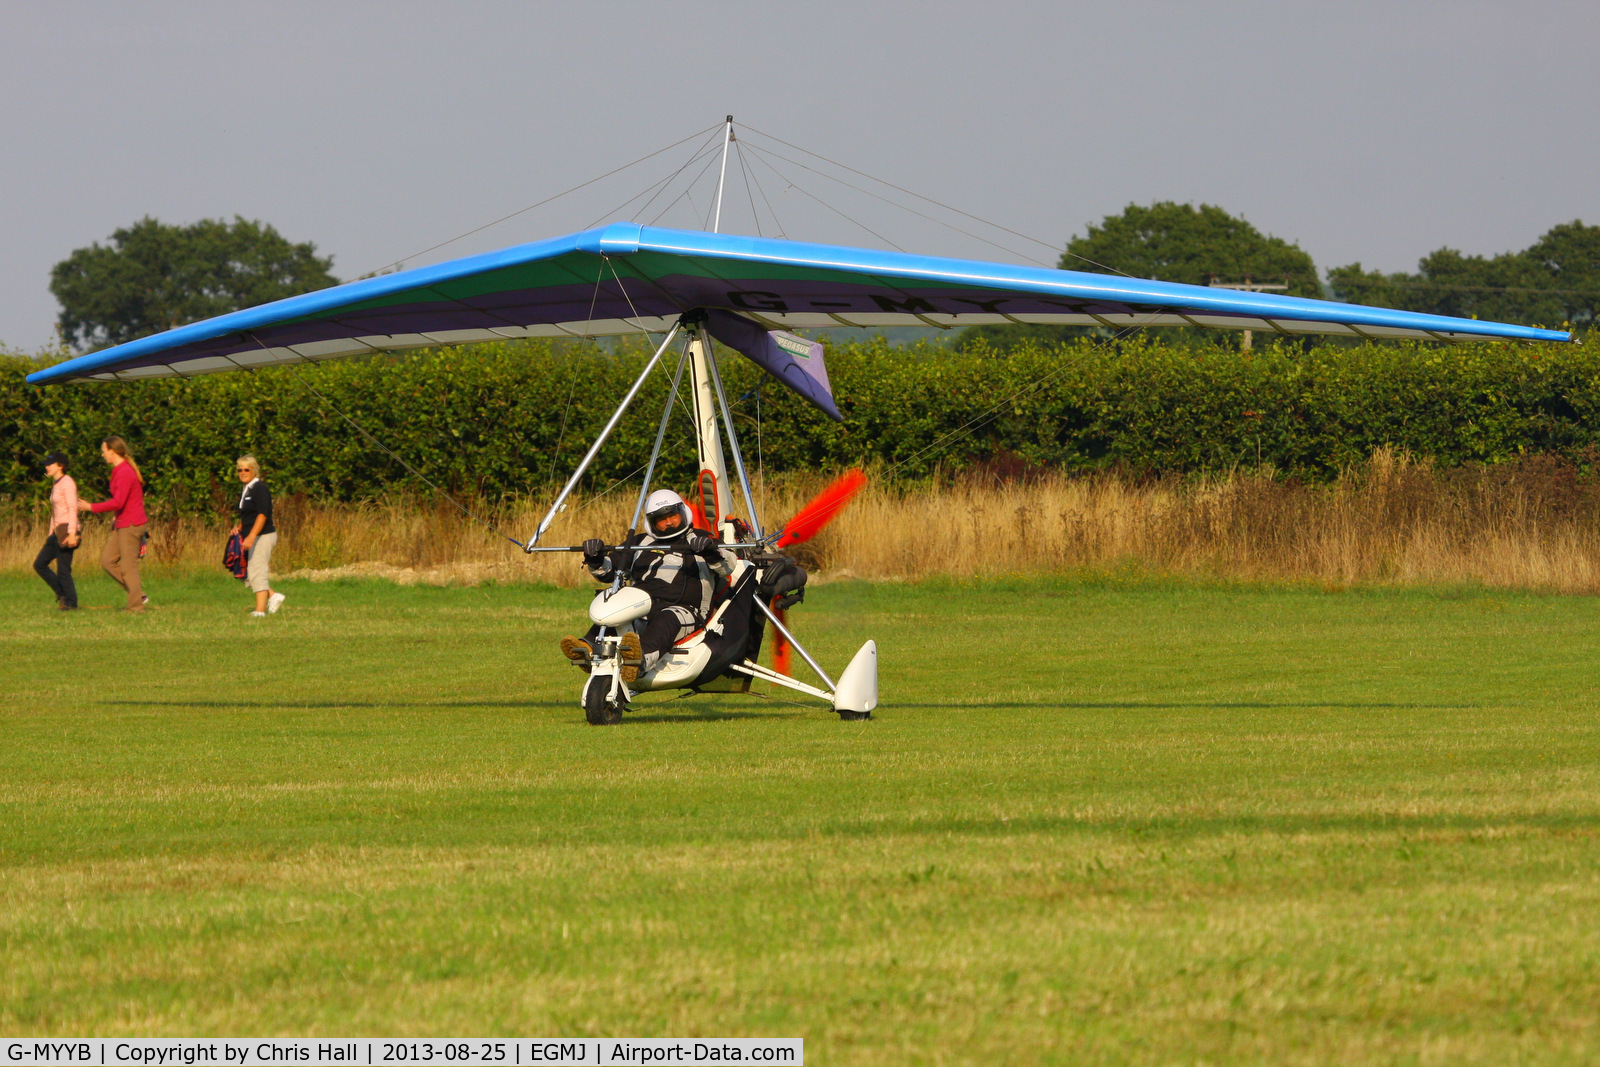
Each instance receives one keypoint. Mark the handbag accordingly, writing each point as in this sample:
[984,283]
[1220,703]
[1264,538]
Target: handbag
[233,557]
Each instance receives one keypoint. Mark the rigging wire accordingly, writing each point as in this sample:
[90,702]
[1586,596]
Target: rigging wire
[686,191]
[606,261]
[572,375]
[658,186]
[607,490]
[790,182]
[682,439]
[572,385]
[1386,284]
[761,461]
[629,476]
[572,389]
[625,295]
[936,203]
[623,210]
[711,204]
[972,424]
[386,450]
[761,695]
[541,203]
[758,155]
[745,174]
[952,437]
[920,214]
[775,220]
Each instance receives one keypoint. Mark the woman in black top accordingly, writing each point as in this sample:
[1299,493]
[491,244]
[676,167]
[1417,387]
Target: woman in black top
[258,536]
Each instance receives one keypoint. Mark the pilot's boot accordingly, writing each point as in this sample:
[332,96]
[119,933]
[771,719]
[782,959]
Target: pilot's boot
[578,651]
[631,655]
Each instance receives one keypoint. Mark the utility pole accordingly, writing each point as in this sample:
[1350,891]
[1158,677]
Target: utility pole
[1249,285]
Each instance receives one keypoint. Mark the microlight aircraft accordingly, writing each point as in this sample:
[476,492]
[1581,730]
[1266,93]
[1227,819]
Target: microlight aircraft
[749,293]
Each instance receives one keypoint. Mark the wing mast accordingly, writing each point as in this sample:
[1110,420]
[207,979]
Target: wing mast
[722,176]
[711,484]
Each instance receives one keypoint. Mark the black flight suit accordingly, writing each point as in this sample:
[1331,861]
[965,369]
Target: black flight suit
[680,583]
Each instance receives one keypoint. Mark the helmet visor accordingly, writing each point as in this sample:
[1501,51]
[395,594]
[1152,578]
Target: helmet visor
[665,522]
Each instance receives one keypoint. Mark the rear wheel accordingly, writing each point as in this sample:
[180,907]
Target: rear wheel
[598,707]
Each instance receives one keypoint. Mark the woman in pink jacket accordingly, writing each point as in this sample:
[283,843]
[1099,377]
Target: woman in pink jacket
[121,555]
[64,534]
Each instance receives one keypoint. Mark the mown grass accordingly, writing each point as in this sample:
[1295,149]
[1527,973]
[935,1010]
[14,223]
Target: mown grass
[1094,821]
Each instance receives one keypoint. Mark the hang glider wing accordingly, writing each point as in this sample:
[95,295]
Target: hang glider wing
[626,278]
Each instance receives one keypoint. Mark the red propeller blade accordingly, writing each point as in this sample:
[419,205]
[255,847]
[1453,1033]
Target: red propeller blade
[806,524]
[780,645]
[809,520]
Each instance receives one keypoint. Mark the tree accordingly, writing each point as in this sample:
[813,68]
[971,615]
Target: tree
[152,277]
[1555,280]
[1182,243]
[1174,243]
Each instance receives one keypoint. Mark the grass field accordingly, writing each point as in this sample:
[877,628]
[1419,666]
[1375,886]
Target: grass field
[1097,821]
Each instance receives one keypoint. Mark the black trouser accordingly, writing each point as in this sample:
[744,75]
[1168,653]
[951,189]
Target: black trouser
[59,580]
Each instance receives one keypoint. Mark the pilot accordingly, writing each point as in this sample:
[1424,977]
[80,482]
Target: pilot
[680,577]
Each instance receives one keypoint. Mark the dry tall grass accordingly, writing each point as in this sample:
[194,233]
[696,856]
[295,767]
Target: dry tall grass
[1534,524]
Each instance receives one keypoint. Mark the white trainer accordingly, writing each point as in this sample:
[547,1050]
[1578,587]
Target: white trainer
[258,614]
[275,601]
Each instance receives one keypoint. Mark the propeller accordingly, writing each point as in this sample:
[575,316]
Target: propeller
[809,520]
[806,524]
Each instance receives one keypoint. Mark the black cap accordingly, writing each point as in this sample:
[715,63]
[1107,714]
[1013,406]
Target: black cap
[56,457]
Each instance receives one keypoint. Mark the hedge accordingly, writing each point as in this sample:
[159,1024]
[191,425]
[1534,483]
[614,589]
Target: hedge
[508,419]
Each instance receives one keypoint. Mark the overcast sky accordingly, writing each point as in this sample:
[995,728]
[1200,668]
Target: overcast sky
[1371,131]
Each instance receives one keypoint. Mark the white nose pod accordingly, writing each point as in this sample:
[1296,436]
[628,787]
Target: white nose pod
[858,685]
[619,607]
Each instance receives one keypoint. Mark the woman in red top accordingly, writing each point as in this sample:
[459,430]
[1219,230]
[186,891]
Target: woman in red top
[121,555]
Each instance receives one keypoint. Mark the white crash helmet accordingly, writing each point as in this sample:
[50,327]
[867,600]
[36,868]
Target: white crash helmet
[662,504]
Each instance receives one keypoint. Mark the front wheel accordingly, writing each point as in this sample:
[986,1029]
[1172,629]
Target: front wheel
[598,707]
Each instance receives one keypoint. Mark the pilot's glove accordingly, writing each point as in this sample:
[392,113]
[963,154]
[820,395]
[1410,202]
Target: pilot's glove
[594,552]
[702,545]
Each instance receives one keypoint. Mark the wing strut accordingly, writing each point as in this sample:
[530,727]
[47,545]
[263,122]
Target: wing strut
[594,449]
[655,451]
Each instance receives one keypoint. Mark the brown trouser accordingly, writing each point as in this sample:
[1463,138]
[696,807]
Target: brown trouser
[120,558]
